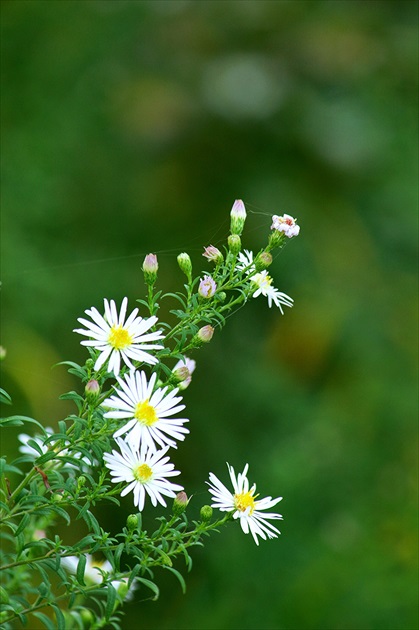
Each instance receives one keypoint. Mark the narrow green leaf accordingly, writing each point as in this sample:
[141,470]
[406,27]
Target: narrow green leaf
[59,616]
[110,601]
[5,397]
[178,575]
[149,584]
[48,623]
[22,524]
[80,570]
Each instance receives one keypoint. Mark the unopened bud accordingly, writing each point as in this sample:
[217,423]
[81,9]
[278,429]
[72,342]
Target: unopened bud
[263,261]
[206,513]
[205,333]
[238,217]
[234,243]
[150,267]
[132,522]
[81,481]
[185,264]
[222,296]
[89,364]
[180,503]
[213,254]
[92,389]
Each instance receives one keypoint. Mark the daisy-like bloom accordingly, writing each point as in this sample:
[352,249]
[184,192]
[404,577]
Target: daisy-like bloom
[145,471]
[245,261]
[184,370]
[244,504]
[285,224]
[263,282]
[147,412]
[207,287]
[93,573]
[116,338]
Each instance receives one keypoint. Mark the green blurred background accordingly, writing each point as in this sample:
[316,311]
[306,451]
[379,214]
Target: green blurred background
[130,127]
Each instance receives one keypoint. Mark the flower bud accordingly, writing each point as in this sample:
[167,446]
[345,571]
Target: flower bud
[150,267]
[132,522]
[92,389]
[205,333]
[89,364]
[222,296]
[185,264]
[81,481]
[238,217]
[207,287]
[183,371]
[213,254]
[263,261]
[206,513]
[180,503]
[234,244]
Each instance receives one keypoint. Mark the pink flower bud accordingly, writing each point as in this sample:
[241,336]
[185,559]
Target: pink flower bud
[213,254]
[205,333]
[238,217]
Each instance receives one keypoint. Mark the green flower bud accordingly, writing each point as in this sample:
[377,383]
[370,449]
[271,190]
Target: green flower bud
[263,261]
[234,243]
[222,296]
[132,522]
[150,267]
[206,513]
[185,264]
[180,503]
[81,481]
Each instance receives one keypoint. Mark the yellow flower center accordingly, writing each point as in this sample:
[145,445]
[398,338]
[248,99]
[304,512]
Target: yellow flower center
[245,500]
[145,413]
[119,338]
[142,473]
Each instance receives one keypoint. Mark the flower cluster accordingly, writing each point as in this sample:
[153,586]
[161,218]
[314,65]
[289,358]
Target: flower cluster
[146,410]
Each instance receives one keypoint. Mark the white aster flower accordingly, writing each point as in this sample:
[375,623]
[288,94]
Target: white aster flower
[144,470]
[243,501]
[116,338]
[286,224]
[147,412]
[263,282]
[245,262]
[94,570]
